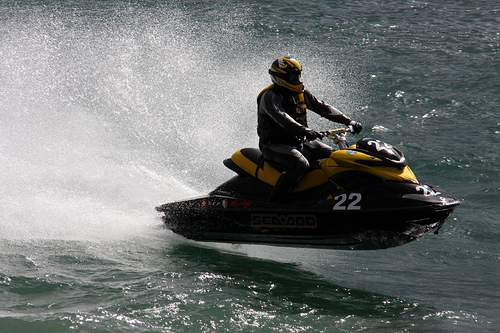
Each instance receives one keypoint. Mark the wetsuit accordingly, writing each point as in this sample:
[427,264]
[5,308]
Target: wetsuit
[282,122]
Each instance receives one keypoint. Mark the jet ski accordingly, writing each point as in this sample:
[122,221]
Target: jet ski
[363,197]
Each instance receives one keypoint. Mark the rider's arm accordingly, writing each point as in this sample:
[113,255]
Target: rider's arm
[271,104]
[325,110]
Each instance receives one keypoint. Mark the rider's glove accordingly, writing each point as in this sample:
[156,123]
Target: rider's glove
[311,134]
[356,127]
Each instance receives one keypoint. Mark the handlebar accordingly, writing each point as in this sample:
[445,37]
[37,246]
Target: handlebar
[337,131]
[338,135]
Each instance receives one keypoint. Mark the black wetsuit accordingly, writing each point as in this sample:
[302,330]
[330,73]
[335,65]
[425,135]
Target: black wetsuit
[282,120]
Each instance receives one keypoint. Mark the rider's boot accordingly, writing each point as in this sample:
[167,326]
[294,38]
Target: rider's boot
[280,190]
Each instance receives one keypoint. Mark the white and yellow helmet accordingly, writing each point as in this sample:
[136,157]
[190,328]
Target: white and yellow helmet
[285,72]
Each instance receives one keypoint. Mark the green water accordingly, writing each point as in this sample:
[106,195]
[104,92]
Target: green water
[109,108]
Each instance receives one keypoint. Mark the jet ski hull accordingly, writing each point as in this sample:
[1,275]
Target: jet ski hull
[330,225]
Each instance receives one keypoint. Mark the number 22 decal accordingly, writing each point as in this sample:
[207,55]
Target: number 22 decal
[347,202]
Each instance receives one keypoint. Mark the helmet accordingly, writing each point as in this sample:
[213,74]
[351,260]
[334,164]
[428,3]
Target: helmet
[285,72]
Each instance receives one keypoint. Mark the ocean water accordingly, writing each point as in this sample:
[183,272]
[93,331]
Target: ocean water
[109,108]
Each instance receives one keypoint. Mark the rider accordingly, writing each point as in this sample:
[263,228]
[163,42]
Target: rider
[284,137]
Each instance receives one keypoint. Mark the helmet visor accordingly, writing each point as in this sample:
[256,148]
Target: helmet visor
[294,77]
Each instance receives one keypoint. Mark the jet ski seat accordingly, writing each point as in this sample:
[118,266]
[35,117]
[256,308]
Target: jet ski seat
[249,162]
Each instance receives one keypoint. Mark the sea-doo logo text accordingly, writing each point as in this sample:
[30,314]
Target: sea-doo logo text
[283,221]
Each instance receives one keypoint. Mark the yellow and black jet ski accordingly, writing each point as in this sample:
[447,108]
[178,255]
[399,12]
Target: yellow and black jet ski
[362,197]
